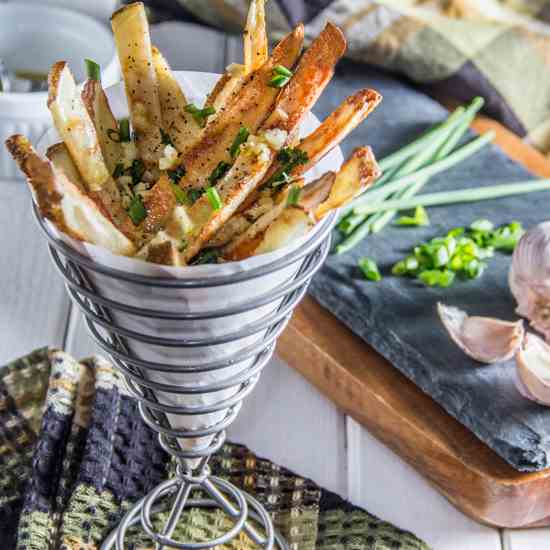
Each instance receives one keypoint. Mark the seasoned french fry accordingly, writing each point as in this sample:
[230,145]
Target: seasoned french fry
[64,203]
[331,191]
[133,43]
[75,127]
[60,157]
[97,105]
[227,88]
[251,106]
[176,122]
[256,49]
[159,203]
[355,175]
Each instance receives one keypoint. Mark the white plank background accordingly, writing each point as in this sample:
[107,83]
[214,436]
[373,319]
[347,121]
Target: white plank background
[284,411]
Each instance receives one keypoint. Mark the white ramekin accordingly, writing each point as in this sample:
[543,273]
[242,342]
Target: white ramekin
[34,37]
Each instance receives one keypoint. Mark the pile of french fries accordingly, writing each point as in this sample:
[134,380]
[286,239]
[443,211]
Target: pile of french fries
[186,184]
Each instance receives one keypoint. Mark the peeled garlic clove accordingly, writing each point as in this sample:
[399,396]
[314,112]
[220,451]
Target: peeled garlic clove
[533,369]
[484,339]
[529,277]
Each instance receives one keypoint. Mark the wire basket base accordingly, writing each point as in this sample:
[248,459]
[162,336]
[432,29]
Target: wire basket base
[246,513]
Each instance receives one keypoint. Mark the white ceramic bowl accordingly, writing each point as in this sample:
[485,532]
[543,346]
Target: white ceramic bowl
[34,37]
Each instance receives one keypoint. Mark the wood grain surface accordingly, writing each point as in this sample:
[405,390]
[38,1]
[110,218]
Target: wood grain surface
[393,409]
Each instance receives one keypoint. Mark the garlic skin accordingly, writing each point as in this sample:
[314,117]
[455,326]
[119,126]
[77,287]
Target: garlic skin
[533,369]
[484,339]
[529,277]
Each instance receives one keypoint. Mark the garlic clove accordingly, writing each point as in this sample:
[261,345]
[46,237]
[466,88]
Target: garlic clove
[484,339]
[529,277]
[533,369]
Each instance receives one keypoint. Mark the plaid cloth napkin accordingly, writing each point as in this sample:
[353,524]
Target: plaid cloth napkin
[74,455]
[499,49]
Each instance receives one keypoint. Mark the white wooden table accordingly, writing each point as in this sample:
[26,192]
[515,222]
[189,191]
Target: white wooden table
[284,409]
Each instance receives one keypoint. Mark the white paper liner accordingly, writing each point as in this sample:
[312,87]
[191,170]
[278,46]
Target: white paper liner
[196,86]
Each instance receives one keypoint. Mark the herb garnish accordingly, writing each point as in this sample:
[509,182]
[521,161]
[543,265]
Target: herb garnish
[369,269]
[93,70]
[206,256]
[137,169]
[241,138]
[281,77]
[136,210]
[214,198]
[219,172]
[177,174]
[200,115]
[294,195]
[289,158]
[119,170]
[193,195]
[122,134]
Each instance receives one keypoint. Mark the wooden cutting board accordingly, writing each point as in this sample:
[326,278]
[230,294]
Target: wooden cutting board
[361,382]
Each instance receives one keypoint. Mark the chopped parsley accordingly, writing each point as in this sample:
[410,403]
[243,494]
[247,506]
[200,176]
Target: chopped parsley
[137,169]
[219,172]
[289,158]
[200,115]
[177,174]
[136,210]
[241,138]
[193,195]
[206,256]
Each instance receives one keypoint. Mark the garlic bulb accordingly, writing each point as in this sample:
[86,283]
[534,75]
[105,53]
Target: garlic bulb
[529,277]
[533,369]
[484,339]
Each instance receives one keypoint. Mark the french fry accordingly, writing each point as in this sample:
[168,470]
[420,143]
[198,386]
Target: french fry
[256,49]
[159,203]
[355,175]
[133,43]
[60,157]
[75,127]
[330,192]
[250,108]
[176,122]
[97,105]
[64,203]
[227,88]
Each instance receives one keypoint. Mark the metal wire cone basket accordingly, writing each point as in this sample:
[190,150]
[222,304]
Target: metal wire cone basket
[190,402]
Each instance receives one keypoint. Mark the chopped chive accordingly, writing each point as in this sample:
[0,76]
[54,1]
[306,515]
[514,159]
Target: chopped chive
[294,195]
[369,269]
[283,71]
[419,218]
[124,130]
[118,171]
[93,70]
[136,210]
[200,115]
[214,198]
[279,81]
[241,138]
[219,172]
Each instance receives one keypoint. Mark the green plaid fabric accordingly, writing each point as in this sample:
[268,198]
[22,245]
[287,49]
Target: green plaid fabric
[74,455]
[499,49]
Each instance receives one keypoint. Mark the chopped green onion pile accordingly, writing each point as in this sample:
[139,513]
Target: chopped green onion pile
[461,253]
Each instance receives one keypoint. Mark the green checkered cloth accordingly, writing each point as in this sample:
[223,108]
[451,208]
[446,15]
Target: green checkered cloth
[74,456]
[499,49]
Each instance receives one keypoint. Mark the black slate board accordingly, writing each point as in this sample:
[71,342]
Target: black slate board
[397,316]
